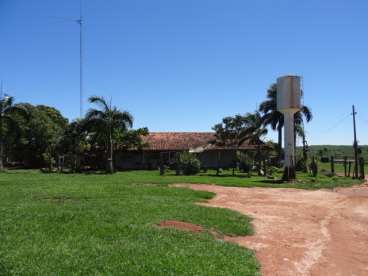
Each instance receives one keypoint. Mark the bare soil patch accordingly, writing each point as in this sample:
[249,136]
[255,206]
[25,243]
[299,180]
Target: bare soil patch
[299,232]
[181,225]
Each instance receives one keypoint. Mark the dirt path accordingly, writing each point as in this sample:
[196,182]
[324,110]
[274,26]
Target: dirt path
[299,232]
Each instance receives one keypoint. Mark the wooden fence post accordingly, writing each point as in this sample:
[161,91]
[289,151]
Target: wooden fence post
[349,168]
[332,165]
[345,166]
[361,164]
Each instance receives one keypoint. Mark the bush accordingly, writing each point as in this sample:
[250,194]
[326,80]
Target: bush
[245,166]
[49,161]
[189,163]
[301,165]
[313,168]
[325,159]
[272,170]
[245,162]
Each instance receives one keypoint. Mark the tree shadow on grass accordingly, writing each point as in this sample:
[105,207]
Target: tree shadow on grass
[226,175]
[271,181]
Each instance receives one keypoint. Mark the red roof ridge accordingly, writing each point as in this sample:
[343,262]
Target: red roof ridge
[185,140]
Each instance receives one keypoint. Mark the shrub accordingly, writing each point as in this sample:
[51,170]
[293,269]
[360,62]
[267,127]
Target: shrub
[189,163]
[245,162]
[301,165]
[272,170]
[313,168]
[49,161]
[325,159]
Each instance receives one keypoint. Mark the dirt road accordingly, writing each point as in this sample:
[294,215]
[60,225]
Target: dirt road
[299,232]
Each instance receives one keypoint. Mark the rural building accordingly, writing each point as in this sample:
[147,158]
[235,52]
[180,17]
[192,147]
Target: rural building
[164,146]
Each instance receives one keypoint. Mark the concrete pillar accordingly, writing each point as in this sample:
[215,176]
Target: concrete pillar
[289,166]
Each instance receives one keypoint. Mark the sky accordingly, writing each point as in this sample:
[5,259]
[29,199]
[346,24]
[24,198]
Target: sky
[183,65]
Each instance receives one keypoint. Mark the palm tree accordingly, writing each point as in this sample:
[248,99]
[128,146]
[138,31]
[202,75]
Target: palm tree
[8,121]
[304,113]
[254,132]
[272,117]
[106,120]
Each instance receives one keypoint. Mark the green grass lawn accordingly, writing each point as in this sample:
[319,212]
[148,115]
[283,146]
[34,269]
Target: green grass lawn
[72,224]
[105,225]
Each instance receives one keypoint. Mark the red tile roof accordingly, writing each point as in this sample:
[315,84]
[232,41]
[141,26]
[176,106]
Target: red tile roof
[182,141]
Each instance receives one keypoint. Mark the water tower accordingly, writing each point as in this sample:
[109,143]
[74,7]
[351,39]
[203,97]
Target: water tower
[288,103]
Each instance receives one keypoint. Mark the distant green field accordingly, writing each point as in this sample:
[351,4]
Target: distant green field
[338,151]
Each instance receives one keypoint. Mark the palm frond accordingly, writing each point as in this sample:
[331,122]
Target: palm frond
[99,101]
[124,119]
[94,114]
[307,112]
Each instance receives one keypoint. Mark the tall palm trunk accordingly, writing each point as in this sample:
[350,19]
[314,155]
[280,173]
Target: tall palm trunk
[259,165]
[279,130]
[294,141]
[305,154]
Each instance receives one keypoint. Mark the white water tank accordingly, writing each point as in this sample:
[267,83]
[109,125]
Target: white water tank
[288,94]
[288,103]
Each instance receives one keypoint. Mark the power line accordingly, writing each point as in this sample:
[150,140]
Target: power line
[338,123]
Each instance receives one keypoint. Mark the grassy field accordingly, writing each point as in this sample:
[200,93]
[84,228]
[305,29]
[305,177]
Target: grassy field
[105,225]
[69,224]
[338,151]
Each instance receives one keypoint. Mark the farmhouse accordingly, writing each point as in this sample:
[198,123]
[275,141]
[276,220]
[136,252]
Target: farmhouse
[164,146]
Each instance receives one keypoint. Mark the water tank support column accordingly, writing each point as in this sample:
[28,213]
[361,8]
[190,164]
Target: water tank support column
[289,166]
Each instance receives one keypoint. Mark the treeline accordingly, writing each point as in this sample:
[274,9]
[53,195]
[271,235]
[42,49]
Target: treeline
[233,131]
[39,136]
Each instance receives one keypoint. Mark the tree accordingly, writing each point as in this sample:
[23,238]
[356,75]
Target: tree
[230,133]
[74,143]
[254,133]
[40,134]
[130,139]
[304,113]
[8,122]
[272,117]
[106,121]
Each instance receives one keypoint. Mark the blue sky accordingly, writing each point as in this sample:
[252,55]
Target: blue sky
[185,64]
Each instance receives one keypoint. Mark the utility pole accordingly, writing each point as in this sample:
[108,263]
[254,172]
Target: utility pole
[355,146]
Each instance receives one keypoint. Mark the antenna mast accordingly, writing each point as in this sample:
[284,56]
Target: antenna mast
[80,23]
[1,91]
